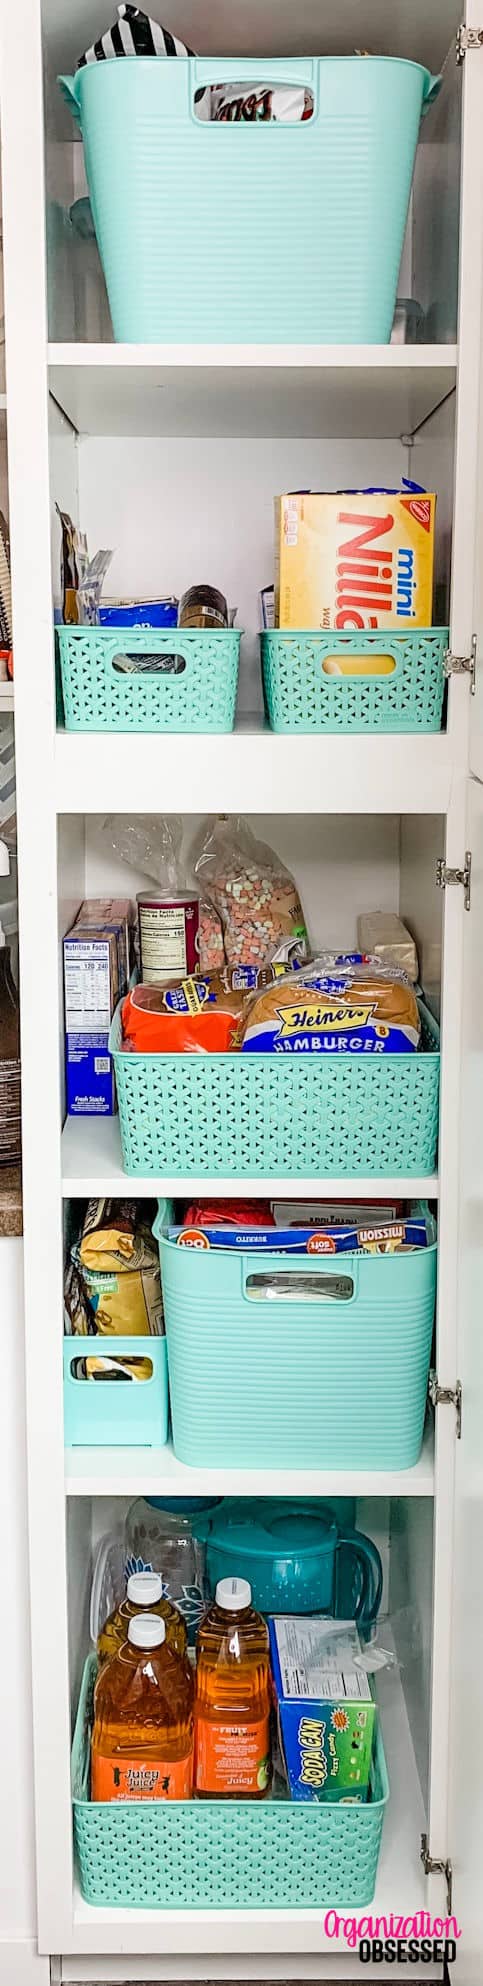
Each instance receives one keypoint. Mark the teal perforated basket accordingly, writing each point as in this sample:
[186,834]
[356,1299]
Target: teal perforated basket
[308,218]
[278,1116]
[196,691]
[275,1854]
[338,1346]
[301,696]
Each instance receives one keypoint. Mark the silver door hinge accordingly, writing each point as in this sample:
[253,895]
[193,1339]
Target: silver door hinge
[466,40]
[462,665]
[434,1865]
[446,1396]
[446,877]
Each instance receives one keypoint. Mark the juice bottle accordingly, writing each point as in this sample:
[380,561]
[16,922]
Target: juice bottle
[232,1704]
[142,1741]
[144,1595]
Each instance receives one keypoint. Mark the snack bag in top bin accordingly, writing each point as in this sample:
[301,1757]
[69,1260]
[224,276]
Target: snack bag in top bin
[355,559]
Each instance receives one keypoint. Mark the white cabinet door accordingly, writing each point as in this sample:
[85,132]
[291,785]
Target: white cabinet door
[465,1822]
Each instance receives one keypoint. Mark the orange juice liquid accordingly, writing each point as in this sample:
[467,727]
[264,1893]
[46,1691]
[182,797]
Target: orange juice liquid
[148,1587]
[232,1703]
[142,1740]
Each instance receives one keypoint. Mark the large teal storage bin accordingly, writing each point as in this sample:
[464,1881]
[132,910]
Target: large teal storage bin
[259,232]
[197,692]
[112,1412]
[278,1362]
[275,1854]
[278,1116]
[301,696]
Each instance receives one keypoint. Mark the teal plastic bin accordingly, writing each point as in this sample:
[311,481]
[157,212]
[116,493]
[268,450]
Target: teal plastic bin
[301,696]
[278,1116]
[274,1854]
[314,1362]
[115,1412]
[265,232]
[196,691]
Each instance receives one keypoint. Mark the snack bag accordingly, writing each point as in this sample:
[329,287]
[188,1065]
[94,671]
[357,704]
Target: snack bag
[134,33]
[340,1004]
[202,1015]
[251,891]
[113,1285]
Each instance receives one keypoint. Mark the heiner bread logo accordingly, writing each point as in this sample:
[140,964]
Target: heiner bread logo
[300,1019]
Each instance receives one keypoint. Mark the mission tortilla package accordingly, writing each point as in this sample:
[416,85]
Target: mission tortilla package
[340,1004]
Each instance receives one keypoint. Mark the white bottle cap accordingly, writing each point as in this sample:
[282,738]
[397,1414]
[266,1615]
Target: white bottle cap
[146,1631]
[233,1594]
[143,1588]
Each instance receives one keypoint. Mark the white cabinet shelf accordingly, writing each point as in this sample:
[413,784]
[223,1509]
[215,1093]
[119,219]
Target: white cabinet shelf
[157,1472]
[253,767]
[365,391]
[91,1163]
[401,1884]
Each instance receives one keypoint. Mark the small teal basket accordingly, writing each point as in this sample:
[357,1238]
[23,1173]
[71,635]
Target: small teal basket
[196,691]
[308,218]
[319,1362]
[114,1412]
[278,1116]
[302,696]
[275,1854]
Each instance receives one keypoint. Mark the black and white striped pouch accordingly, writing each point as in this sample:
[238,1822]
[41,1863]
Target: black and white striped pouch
[133,34]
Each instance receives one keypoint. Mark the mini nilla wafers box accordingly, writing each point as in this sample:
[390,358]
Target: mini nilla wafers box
[352,560]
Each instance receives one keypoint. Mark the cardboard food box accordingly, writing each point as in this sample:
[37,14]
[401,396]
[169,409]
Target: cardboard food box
[358,561]
[325,1709]
[96,975]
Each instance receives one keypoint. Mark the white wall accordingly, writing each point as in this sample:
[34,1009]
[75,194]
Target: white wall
[19,1965]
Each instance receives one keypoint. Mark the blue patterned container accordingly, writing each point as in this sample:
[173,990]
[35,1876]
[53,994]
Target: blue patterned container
[301,696]
[278,1116]
[197,692]
[275,1854]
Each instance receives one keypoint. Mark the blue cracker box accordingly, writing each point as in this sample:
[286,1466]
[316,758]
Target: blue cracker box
[94,981]
[325,1709]
[139,614]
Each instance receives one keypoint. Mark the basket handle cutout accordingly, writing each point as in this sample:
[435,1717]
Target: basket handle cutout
[276,1285]
[369,666]
[138,662]
[252,103]
[120,1368]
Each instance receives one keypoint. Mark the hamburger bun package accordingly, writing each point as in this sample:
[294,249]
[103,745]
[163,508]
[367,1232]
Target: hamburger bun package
[190,1015]
[342,1003]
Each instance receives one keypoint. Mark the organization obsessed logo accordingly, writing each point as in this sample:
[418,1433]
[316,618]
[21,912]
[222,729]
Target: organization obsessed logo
[417,1940]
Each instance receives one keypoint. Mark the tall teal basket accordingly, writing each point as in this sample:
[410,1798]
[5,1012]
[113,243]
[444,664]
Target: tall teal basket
[270,232]
[298,1362]
[274,1854]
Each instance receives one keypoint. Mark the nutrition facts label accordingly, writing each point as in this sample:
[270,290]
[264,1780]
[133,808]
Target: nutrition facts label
[315,1660]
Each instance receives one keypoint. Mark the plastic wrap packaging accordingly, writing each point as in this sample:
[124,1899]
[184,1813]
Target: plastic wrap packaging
[113,1286]
[201,1016]
[340,1003]
[251,892]
[382,934]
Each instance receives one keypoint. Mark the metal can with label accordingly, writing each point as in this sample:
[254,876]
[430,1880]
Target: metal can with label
[168,935]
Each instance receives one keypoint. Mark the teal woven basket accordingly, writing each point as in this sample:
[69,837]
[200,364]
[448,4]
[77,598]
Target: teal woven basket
[342,1369]
[308,218]
[107,1412]
[196,691]
[278,1116]
[222,1855]
[301,696]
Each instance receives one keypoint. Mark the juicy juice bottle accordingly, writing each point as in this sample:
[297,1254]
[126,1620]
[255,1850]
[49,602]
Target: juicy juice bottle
[142,1741]
[232,1703]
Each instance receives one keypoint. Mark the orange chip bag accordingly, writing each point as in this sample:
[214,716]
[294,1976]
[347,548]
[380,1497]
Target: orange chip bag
[200,1016]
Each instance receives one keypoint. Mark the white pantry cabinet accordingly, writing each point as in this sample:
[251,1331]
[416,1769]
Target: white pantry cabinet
[172,455]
